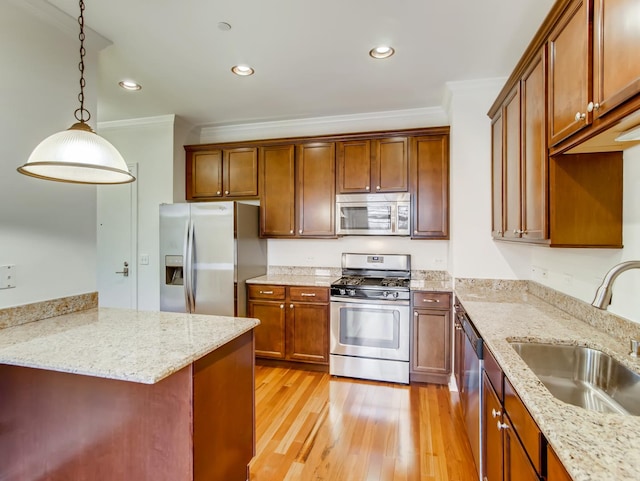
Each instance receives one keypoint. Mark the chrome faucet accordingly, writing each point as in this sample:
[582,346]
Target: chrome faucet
[604,292]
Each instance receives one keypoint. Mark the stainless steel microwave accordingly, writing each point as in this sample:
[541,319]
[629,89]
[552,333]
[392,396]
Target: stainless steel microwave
[373,214]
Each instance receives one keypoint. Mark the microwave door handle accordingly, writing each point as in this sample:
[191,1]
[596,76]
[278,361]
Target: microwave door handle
[394,218]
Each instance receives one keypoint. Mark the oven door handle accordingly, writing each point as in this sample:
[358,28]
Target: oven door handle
[371,302]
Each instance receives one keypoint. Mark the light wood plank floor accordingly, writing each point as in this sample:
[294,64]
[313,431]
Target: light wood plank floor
[312,427]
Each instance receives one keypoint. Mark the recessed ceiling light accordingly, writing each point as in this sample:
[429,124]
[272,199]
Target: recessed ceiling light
[129,85]
[383,51]
[243,70]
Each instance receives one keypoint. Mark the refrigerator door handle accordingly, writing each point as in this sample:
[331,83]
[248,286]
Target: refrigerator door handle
[191,259]
[185,267]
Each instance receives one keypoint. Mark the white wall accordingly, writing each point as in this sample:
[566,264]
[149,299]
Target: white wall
[148,142]
[47,229]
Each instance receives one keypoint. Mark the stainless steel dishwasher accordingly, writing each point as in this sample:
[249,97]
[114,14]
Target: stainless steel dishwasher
[471,389]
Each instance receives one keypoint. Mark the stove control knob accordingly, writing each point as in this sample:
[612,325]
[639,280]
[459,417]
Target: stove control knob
[386,294]
[395,294]
[352,292]
[343,292]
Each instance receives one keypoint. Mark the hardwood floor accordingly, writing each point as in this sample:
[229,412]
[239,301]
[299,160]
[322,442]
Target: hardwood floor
[312,427]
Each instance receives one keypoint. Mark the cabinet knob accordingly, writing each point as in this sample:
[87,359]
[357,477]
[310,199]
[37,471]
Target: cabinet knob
[290,306]
[300,231]
[377,187]
[580,116]
[596,106]
[291,231]
[218,193]
[495,413]
[499,232]
[281,306]
[502,426]
[415,231]
[593,106]
[226,192]
[415,313]
[457,327]
[367,187]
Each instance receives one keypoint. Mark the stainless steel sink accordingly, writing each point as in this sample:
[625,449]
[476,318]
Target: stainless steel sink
[584,377]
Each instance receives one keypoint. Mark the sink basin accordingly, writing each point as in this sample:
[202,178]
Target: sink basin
[584,377]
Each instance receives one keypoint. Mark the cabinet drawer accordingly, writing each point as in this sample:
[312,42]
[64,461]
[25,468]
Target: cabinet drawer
[309,294]
[431,300]
[524,425]
[257,291]
[494,373]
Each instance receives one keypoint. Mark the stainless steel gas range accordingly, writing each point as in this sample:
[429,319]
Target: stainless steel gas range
[370,328]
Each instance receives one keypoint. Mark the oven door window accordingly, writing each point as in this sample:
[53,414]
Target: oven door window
[366,217]
[370,327]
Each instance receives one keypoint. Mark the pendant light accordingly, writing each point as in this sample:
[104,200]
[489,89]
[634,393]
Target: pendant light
[78,154]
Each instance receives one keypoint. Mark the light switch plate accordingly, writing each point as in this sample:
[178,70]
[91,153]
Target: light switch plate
[7,277]
[144,259]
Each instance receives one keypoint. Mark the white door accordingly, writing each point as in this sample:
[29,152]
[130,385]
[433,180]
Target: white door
[117,220]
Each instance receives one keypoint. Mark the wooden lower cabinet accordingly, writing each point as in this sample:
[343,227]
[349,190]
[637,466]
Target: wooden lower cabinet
[516,464]
[492,435]
[294,322]
[555,469]
[431,346]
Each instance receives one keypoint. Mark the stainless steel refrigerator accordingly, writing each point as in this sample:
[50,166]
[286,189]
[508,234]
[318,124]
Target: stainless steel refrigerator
[207,252]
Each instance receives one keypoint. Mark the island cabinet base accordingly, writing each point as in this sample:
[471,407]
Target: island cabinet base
[195,425]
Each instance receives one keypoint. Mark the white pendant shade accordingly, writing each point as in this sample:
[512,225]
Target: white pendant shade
[77,155]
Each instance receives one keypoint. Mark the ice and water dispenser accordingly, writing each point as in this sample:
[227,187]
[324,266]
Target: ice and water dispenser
[173,270]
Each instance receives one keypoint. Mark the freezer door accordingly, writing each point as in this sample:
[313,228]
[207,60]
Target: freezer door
[174,223]
[212,256]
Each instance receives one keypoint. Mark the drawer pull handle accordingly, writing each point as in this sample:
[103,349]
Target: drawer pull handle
[495,413]
[266,292]
[430,300]
[305,294]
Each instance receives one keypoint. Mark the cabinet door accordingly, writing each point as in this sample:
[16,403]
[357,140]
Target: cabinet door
[308,332]
[492,434]
[497,159]
[204,174]
[535,221]
[277,191]
[432,342]
[241,172]
[517,466]
[390,167]
[569,73]
[555,469]
[353,161]
[430,186]
[616,77]
[512,207]
[270,334]
[316,189]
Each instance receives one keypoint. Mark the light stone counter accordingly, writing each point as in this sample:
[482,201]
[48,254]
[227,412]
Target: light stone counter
[293,280]
[122,344]
[591,445]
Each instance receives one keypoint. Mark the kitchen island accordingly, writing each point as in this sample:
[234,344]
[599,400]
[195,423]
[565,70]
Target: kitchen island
[591,445]
[104,394]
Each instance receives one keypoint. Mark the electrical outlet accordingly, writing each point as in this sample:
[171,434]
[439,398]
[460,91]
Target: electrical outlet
[7,277]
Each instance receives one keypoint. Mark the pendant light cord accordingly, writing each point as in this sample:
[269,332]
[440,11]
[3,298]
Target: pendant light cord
[82,114]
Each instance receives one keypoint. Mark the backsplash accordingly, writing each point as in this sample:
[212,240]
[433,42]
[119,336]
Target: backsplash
[15,316]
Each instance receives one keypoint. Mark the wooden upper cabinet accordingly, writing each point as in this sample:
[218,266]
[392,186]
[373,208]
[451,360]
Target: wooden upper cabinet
[570,64]
[430,186]
[368,166]
[222,173]
[497,158]
[512,173]
[277,191]
[534,165]
[616,70]
[316,176]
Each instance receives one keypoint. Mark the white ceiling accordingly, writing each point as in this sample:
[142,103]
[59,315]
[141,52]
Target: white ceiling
[311,57]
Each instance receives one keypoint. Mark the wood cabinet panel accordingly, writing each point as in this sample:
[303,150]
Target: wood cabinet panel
[512,174]
[493,372]
[616,29]
[570,65]
[204,178]
[270,334]
[522,422]
[429,158]
[497,168]
[309,294]
[555,469]
[353,161]
[390,165]
[516,465]
[316,189]
[241,172]
[535,224]
[308,332]
[492,435]
[431,337]
[277,191]
[260,291]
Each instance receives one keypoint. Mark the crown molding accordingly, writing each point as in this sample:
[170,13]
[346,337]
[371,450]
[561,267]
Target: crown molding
[141,122]
[392,120]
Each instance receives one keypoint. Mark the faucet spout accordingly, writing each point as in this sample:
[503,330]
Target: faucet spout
[604,292]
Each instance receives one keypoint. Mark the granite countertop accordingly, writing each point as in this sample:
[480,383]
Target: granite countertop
[591,445]
[294,280]
[121,344]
